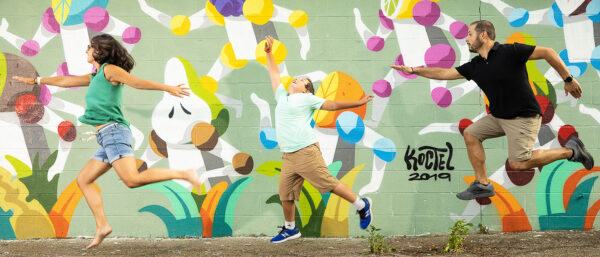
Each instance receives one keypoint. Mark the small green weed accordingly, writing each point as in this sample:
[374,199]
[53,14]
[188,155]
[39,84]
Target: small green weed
[377,244]
[457,236]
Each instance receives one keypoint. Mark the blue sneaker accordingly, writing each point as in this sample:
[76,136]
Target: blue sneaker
[286,234]
[366,215]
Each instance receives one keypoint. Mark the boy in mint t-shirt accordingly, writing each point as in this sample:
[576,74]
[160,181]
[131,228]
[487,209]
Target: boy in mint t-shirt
[302,158]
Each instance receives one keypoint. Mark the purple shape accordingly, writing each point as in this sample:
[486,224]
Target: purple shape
[63,70]
[426,12]
[45,95]
[49,22]
[375,43]
[440,55]
[382,88]
[132,35]
[96,18]
[459,29]
[441,96]
[385,21]
[30,48]
[400,61]
[229,7]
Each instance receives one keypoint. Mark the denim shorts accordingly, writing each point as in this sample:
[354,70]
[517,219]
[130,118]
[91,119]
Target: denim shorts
[115,142]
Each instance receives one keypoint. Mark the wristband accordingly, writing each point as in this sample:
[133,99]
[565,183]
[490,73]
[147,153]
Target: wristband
[267,51]
[38,80]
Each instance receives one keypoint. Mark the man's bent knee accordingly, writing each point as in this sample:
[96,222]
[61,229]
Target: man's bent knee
[519,166]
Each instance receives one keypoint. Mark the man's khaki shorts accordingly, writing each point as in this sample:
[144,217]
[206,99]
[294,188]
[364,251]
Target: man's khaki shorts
[521,133]
[306,163]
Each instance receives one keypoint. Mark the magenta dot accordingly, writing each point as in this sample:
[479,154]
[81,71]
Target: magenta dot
[441,96]
[30,48]
[63,69]
[132,35]
[375,43]
[459,29]
[45,95]
[382,88]
[400,61]
[426,12]
[96,18]
[49,22]
[385,21]
[440,55]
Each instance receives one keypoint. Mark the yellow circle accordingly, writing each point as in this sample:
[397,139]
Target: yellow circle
[298,19]
[213,14]
[209,84]
[228,57]
[285,81]
[278,49]
[180,25]
[258,11]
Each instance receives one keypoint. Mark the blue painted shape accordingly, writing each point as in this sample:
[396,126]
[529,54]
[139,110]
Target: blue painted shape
[268,137]
[78,9]
[223,219]
[6,229]
[595,59]
[574,217]
[518,17]
[593,10]
[312,123]
[385,149]
[575,68]
[555,16]
[186,221]
[350,127]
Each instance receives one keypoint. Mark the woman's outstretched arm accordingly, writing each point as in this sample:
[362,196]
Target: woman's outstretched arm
[59,81]
[119,75]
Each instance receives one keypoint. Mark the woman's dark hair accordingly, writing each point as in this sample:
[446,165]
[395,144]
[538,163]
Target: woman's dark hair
[108,50]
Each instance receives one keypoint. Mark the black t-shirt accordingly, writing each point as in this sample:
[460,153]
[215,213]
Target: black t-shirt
[504,80]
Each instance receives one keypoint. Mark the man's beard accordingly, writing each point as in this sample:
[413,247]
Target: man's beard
[474,47]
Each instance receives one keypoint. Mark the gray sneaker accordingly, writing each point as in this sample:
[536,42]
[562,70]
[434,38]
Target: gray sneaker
[580,154]
[477,190]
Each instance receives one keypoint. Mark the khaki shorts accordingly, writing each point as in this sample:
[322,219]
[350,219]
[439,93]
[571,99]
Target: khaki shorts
[521,133]
[306,163]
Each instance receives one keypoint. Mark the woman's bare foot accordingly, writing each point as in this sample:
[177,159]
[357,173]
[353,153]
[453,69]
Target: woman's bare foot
[193,178]
[99,236]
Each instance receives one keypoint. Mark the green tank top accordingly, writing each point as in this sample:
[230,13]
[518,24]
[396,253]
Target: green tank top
[103,101]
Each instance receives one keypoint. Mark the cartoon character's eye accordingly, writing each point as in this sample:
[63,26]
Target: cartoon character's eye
[172,112]
[185,110]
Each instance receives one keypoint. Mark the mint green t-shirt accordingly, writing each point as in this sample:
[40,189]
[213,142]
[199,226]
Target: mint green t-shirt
[293,115]
[103,101]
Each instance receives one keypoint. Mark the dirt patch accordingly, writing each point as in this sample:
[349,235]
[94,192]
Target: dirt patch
[546,244]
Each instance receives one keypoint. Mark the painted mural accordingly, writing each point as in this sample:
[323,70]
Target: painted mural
[404,150]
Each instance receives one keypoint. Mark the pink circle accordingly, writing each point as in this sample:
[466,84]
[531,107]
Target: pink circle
[132,35]
[30,48]
[385,21]
[459,29]
[63,69]
[96,18]
[49,22]
[440,55]
[400,61]
[382,88]
[441,96]
[375,43]
[426,12]
[45,95]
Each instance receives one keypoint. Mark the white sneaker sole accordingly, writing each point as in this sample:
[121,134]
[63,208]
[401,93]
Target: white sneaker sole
[289,238]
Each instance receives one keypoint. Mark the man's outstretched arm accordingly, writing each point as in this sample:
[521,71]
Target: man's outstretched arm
[430,72]
[554,60]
